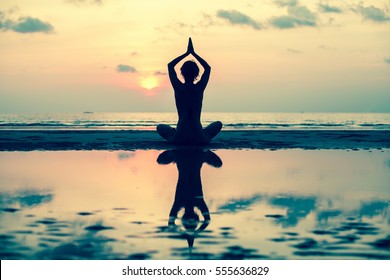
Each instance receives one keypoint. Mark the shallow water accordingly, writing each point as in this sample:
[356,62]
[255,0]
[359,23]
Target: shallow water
[284,204]
[231,121]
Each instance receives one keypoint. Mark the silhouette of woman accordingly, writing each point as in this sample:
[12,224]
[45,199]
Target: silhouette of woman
[189,193]
[189,97]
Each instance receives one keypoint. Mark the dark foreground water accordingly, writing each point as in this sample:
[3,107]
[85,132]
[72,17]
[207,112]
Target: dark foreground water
[285,204]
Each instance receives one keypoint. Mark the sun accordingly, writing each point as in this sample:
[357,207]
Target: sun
[149,82]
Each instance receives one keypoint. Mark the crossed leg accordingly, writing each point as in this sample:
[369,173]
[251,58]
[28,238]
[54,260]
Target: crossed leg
[166,132]
[212,130]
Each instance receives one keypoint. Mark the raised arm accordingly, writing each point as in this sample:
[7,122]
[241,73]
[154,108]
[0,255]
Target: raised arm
[171,70]
[207,69]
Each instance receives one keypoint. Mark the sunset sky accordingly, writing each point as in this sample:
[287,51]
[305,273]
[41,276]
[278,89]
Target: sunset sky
[266,56]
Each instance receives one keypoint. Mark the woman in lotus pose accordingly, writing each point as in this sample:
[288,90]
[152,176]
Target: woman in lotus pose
[189,97]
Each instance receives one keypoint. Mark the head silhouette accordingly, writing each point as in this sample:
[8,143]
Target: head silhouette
[190,71]
[190,219]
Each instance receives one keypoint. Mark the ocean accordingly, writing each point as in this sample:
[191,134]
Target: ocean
[231,121]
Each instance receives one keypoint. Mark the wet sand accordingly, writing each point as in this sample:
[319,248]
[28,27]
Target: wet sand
[264,204]
[29,140]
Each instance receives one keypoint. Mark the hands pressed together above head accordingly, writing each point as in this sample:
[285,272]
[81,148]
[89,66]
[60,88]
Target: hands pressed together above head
[190,47]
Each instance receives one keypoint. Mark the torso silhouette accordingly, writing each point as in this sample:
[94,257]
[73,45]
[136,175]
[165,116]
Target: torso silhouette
[189,185]
[189,98]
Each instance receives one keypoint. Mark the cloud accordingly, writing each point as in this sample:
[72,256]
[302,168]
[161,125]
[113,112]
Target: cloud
[283,22]
[326,8]
[296,16]
[332,22]
[372,13]
[293,51]
[159,73]
[25,25]
[387,60]
[32,25]
[286,3]
[123,68]
[5,24]
[237,18]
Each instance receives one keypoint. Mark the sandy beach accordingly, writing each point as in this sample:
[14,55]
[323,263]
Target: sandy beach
[58,140]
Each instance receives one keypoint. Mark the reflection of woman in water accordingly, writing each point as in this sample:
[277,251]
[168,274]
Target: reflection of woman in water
[189,97]
[189,194]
